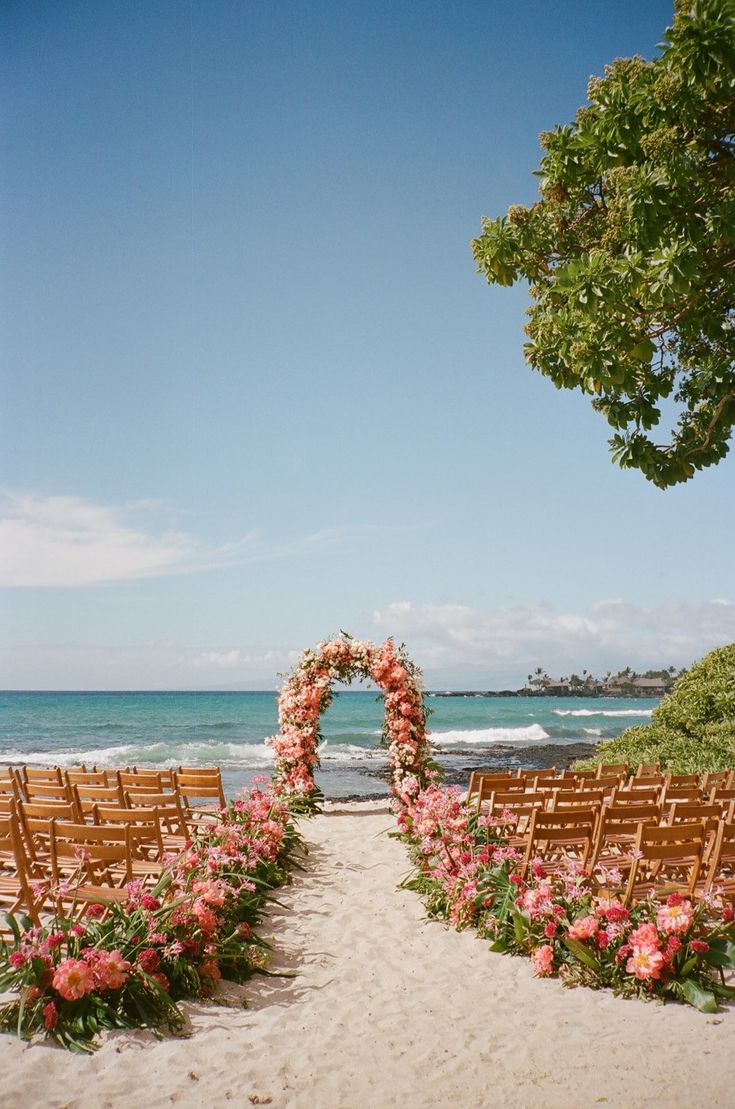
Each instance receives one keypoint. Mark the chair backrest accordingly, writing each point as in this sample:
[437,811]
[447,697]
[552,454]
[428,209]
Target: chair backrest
[41,774]
[683,779]
[608,784]
[578,798]
[486,784]
[584,775]
[607,769]
[203,782]
[718,778]
[145,825]
[157,781]
[682,793]
[665,859]
[48,791]
[168,808]
[640,796]
[647,769]
[88,796]
[723,793]
[551,785]
[79,777]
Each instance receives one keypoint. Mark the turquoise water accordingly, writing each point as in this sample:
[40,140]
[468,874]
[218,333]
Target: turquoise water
[229,730]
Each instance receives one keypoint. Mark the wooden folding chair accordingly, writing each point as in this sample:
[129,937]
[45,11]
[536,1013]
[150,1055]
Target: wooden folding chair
[616,834]
[513,811]
[16,893]
[145,836]
[560,838]
[35,820]
[665,860]
[197,784]
[168,808]
[90,863]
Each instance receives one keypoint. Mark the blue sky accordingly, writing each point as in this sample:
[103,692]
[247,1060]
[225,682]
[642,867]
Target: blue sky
[254,390]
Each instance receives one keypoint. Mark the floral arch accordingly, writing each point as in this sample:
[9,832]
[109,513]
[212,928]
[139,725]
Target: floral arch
[307,693]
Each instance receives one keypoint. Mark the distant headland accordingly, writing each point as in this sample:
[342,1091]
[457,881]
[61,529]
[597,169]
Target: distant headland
[626,683]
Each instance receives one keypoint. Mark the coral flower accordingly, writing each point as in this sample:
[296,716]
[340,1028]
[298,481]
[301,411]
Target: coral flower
[543,960]
[645,935]
[111,970]
[674,918]
[584,927]
[645,962]
[73,979]
[50,1016]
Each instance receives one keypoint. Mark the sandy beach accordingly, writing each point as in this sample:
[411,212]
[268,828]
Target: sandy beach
[386,1008]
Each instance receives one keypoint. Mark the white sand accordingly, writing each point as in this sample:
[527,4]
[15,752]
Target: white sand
[389,1009]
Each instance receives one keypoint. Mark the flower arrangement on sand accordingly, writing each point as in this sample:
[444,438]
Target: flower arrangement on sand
[470,876]
[307,693]
[127,965]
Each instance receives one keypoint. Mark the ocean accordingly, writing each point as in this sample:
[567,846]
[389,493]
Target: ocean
[229,730]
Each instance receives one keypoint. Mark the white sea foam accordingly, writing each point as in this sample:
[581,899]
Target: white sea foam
[481,737]
[592,731]
[350,752]
[602,712]
[229,756]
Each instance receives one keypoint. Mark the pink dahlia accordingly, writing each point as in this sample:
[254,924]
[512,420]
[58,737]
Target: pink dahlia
[645,962]
[675,918]
[73,979]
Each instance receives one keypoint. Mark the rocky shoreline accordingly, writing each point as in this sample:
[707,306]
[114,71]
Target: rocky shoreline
[496,757]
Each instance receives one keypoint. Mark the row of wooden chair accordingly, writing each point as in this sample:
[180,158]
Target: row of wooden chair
[647,833]
[654,787]
[199,789]
[66,840]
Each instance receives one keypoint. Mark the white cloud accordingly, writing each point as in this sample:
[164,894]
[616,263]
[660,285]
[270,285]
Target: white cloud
[491,646]
[71,541]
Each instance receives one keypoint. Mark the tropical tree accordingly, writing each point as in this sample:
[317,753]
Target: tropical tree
[630,251]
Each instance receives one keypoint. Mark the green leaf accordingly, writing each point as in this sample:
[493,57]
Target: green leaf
[721,953]
[582,953]
[697,995]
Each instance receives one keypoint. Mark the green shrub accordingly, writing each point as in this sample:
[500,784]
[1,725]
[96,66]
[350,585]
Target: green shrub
[693,729]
